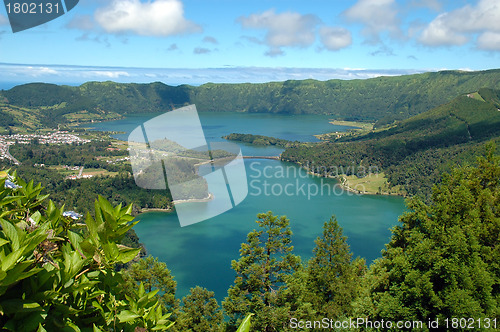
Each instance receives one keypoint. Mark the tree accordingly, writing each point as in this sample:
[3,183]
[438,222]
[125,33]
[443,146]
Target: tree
[200,312]
[155,276]
[266,260]
[443,261]
[332,277]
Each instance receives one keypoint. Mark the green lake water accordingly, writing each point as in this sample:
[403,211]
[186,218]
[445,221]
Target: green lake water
[201,254]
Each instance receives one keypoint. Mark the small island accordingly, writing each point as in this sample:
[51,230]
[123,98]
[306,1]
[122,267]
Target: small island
[260,140]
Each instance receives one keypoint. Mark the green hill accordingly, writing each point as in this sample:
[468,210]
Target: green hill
[466,118]
[413,153]
[381,99]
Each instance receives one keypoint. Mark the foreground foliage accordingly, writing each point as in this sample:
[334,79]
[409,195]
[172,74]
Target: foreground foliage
[58,274]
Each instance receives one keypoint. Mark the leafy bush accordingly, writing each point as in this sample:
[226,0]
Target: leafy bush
[58,274]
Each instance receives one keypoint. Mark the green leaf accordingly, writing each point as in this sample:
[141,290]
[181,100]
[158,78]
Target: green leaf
[34,239]
[124,229]
[36,217]
[42,198]
[128,209]
[92,227]
[96,329]
[110,250]
[11,233]
[127,254]
[17,273]
[75,239]
[2,242]
[8,200]
[11,259]
[245,325]
[40,328]
[127,316]
[14,306]
[73,326]
[73,264]
[162,327]
[141,291]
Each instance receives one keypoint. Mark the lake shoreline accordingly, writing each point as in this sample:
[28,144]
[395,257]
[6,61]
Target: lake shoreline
[209,198]
[195,200]
[144,210]
[342,181]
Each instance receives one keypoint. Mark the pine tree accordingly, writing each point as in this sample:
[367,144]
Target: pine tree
[443,260]
[200,312]
[332,277]
[155,276]
[266,260]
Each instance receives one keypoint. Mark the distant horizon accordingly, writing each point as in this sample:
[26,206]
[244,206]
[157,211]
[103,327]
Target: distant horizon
[18,74]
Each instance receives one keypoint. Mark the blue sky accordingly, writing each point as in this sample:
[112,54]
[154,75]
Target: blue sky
[197,41]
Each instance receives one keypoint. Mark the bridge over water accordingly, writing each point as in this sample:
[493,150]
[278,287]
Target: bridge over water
[262,157]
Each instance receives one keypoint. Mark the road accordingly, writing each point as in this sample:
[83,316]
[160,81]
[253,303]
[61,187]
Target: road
[11,157]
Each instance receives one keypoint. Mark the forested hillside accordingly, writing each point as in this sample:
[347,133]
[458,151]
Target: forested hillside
[381,99]
[416,151]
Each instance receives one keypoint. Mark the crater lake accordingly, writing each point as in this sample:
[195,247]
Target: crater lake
[201,254]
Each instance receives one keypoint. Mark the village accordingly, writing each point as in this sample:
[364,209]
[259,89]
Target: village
[57,137]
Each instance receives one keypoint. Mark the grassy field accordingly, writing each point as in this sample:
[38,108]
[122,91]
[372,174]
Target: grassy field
[476,95]
[357,128]
[86,171]
[357,125]
[371,184]
[27,118]
[85,117]
[98,171]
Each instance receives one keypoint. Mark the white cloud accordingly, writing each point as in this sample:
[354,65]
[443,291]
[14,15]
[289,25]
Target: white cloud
[335,39]
[377,16]
[431,4]
[287,29]
[36,71]
[439,33]
[108,74]
[458,26]
[154,18]
[489,41]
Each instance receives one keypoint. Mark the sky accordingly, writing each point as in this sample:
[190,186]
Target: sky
[199,41]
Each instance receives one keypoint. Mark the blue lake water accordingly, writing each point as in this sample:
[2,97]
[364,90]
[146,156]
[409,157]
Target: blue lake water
[201,254]
[215,125]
